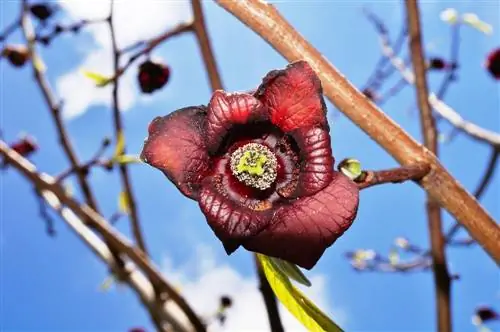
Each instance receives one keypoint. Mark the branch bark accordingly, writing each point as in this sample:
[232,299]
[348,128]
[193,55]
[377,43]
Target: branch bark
[118,126]
[394,175]
[136,270]
[429,132]
[265,20]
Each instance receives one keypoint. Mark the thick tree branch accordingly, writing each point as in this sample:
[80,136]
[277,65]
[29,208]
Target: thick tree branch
[119,134]
[56,196]
[394,175]
[265,20]
[54,107]
[429,133]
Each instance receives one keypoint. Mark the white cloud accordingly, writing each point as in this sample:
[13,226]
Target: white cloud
[203,280]
[134,20]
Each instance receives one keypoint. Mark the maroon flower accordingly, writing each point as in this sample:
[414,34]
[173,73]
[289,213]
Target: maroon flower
[493,63]
[25,146]
[260,166]
[42,11]
[16,54]
[152,76]
[485,314]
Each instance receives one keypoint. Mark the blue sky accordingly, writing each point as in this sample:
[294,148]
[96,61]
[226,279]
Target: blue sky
[52,284]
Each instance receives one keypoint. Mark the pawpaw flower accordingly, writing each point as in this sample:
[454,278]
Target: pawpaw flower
[152,76]
[260,166]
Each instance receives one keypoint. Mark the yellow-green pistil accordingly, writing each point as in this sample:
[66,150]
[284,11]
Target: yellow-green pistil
[254,165]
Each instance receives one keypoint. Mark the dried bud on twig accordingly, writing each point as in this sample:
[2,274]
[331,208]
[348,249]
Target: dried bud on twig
[152,76]
[492,63]
[42,11]
[16,54]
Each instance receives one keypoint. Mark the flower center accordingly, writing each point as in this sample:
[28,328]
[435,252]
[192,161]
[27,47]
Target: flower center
[254,165]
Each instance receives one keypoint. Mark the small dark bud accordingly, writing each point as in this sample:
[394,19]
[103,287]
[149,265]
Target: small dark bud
[25,146]
[370,94]
[486,314]
[152,76]
[437,64]
[106,141]
[16,54]
[226,301]
[45,41]
[58,29]
[492,63]
[137,329]
[42,11]
[108,166]
[76,28]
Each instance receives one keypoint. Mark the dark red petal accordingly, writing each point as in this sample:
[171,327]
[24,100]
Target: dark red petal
[176,146]
[294,97]
[228,109]
[301,232]
[316,169]
[232,223]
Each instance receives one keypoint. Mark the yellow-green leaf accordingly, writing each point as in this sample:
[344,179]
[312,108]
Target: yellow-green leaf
[303,309]
[449,15]
[120,145]
[107,283]
[123,203]
[393,257]
[474,21]
[291,270]
[99,79]
[39,64]
[127,159]
[351,168]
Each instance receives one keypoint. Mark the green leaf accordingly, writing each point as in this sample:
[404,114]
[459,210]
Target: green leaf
[449,15]
[123,203]
[393,256]
[99,79]
[291,271]
[127,159]
[303,309]
[39,64]
[107,283]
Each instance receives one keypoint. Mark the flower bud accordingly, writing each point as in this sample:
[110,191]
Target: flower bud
[16,54]
[485,314]
[152,76]
[25,146]
[226,301]
[492,63]
[42,11]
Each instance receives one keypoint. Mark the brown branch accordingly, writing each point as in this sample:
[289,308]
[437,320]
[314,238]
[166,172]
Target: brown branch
[265,20]
[442,109]
[269,299]
[394,175]
[200,30]
[429,132]
[54,107]
[112,239]
[118,126]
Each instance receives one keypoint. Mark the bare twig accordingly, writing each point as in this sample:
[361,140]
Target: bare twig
[430,133]
[207,54]
[54,107]
[265,20]
[118,126]
[442,109]
[57,197]
[395,175]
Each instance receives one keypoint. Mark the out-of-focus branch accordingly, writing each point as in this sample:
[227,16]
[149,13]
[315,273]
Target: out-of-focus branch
[54,107]
[442,109]
[265,20]
[136,263]
[119,135]
[200,30]
[394,175]
[429,133]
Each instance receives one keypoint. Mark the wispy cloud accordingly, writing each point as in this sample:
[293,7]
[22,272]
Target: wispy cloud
[203,280]
[134,20]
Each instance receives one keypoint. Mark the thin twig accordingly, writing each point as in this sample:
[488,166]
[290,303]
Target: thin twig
[429,132]
[394,175]
[54,107]
[442,109]
[118,127]
[265,20]
[207,54]
[113,240]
